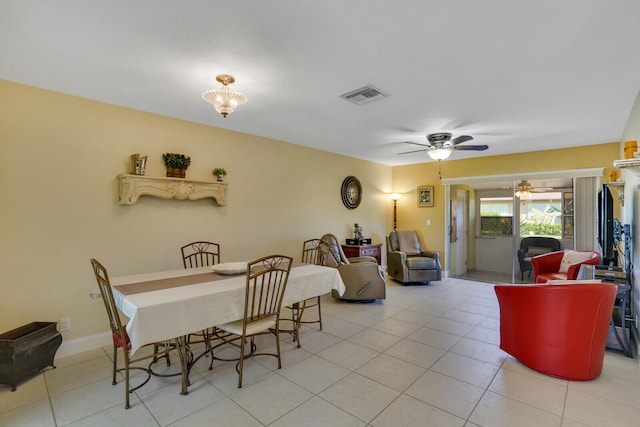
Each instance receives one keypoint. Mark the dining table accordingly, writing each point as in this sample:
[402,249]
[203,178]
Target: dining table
[169,305]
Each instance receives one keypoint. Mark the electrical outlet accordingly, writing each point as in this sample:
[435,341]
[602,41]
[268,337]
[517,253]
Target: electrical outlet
[65,324]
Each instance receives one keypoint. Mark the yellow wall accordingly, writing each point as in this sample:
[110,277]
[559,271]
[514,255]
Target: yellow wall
[407,178]
[59,159]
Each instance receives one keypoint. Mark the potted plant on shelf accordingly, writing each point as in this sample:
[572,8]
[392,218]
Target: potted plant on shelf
[176,164]
[220,173]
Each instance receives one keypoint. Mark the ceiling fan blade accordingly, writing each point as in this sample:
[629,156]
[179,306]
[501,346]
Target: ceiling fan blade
[414,151]
[470,147]
[417,143]
[460,139]
[541,189]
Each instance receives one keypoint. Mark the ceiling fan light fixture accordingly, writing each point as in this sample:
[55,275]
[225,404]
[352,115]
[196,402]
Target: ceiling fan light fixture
[439,153]
[224,100]
[523,189]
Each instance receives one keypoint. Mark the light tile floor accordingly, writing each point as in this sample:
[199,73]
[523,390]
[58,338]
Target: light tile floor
[425,356]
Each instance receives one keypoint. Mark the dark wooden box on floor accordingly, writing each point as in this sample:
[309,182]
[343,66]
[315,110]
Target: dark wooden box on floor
[26,350]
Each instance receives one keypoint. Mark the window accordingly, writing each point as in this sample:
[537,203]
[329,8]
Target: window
[547,214]
[541,214]
[496,216]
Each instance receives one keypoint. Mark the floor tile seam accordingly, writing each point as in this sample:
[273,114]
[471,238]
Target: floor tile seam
[600,396]
[431,345]
[31,378]
[440,316]
[533,374]
[215,403]
[386,385]
[474,324]
[466,420]
[106,353]
[312,395]
[54,395]
[484,392]
[394,335]
[478,360]
[488,389]
[527,402]
[402,360]
[342,409]
[512,399]
[46,387]
[93,369]
[564,403]
[346,367]
[372,348]
[483,388]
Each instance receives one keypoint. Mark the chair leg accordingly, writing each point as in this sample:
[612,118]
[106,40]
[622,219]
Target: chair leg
[319,313]
[297,320]
[115,362]
[126,379]
[241,361]
[277,334]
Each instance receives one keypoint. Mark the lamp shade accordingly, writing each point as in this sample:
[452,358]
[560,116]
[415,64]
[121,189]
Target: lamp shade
[224,100]
[439,153]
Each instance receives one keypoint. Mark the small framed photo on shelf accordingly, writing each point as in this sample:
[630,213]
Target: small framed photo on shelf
[425,196]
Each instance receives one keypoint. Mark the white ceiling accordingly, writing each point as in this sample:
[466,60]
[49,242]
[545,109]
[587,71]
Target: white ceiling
[518,76]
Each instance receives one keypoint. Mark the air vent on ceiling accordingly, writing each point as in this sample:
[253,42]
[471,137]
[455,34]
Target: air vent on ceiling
[364,94]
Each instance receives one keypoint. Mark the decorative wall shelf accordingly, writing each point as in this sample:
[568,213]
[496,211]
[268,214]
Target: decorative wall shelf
[134,186]
[633,164]
[619,186]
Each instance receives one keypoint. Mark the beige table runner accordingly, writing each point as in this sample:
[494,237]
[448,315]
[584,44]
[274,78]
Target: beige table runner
[175,282]
[171,282]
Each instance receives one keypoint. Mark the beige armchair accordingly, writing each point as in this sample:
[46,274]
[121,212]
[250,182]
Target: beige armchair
[362,276]
[408,262]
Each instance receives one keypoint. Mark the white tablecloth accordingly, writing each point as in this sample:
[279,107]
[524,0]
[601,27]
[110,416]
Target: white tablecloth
[169,313]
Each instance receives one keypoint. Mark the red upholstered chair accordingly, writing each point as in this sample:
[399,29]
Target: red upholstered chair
[558,330]
[549,266]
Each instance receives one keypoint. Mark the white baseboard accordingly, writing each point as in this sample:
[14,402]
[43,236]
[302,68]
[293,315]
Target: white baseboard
[78,345]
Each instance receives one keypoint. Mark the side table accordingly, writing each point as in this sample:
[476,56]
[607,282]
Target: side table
[352,251]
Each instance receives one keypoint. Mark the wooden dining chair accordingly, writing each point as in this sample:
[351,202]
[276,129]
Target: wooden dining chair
[121,338]
[265,286]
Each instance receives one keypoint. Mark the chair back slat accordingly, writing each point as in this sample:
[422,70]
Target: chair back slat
[310,253]
[266,283]
[200,254]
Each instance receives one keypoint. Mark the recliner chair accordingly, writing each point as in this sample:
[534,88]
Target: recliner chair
[408,262]
[362,276]
[534,246]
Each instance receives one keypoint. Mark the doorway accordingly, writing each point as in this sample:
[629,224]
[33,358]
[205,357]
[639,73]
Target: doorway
[490,255]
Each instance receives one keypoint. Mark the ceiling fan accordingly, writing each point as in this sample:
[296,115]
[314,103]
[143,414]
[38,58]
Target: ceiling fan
[440,145]
[524,189]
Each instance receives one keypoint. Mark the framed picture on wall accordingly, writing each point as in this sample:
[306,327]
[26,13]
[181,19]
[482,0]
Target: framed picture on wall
[425,196]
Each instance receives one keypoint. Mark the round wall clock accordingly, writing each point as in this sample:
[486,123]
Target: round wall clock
[351,192]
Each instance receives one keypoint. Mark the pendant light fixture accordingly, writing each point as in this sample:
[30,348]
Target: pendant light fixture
[224,100]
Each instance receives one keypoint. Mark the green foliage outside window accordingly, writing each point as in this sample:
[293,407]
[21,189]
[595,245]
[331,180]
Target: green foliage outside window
[496,225]
[540,229]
